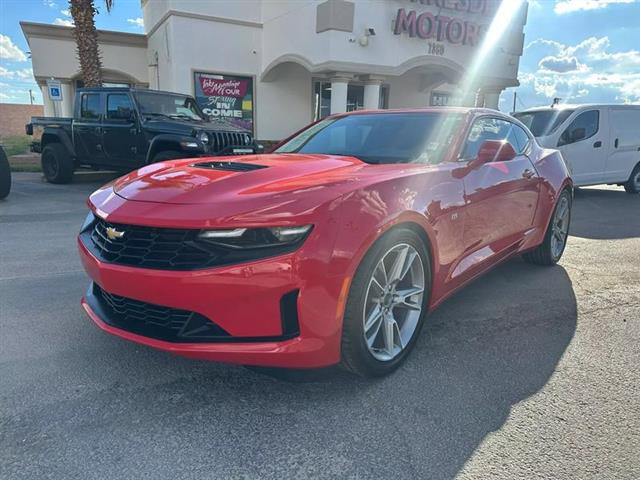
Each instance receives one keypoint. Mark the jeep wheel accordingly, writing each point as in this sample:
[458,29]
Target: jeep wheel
[57,166]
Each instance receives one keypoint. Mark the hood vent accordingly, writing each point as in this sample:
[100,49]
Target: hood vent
[229,166]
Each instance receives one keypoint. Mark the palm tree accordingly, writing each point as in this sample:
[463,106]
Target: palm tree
[83,13]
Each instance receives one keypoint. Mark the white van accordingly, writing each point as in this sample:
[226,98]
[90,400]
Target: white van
[600,143]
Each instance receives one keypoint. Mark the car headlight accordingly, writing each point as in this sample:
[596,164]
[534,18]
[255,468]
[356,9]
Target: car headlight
[203,137]
[257,238]
[88,222]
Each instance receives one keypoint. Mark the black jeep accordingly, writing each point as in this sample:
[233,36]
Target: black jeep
[125,128]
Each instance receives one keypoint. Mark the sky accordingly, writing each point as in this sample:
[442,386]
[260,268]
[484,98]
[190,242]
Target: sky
[582,51]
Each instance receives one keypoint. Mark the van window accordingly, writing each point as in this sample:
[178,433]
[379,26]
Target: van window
[90,106]
[543,122]
[588,120]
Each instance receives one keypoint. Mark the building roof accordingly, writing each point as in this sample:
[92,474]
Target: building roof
[44,30]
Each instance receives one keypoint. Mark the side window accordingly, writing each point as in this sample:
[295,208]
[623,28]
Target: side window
[585,125]
[518,138]
[119,106]
[90,106]
[487,128]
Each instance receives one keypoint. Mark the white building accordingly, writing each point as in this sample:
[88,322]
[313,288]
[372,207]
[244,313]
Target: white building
[276,65]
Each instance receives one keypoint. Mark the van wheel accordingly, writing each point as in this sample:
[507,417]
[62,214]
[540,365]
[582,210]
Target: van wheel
[168,155]
[5,175]
[633,184]
[57,165]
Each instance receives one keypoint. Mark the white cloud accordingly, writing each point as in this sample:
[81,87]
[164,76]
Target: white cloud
[63,22]
[561,64]
[49,3]
[569,6]
[138,22]
[4,96]
[22,74]
[10,51]
[66,12]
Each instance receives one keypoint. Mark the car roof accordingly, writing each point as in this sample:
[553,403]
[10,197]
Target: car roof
[463,110]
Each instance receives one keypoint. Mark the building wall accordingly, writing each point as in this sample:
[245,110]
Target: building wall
[14,116]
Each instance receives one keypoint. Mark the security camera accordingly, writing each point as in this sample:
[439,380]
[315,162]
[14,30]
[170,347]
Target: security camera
[370,32]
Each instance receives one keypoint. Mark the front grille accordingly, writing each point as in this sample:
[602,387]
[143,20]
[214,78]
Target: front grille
[156,321]
[221,141]
[151,247]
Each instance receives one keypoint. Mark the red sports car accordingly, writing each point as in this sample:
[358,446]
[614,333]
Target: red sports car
[332,249]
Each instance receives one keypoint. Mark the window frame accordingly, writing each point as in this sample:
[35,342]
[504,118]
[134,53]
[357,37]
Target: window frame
[100,115]
[524,151]
[597,110]
[106,105]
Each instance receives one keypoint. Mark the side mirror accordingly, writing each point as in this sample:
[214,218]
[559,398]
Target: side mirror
[578,134]
[494,151]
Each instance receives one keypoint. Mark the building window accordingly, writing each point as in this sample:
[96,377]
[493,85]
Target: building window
[355,98]
[439,99]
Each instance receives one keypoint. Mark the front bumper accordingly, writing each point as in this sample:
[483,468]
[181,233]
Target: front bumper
[244,300]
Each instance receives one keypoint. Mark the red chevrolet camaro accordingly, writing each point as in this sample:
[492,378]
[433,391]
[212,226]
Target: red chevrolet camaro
[332,249]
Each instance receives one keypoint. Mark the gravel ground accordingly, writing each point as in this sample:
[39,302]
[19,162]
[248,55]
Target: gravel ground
[529,373]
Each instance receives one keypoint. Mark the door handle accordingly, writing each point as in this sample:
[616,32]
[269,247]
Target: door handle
[598,144]
[615,144]
[528,173]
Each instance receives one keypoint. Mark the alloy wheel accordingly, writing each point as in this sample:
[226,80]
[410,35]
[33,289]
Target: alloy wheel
[560,227]
[393,302]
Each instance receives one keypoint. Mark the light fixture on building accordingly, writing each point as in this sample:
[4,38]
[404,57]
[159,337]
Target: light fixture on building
[364,39]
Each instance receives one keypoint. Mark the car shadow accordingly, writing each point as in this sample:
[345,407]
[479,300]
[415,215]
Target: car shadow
[605,213]
[491,346]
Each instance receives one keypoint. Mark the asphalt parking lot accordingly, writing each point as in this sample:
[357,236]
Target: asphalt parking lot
[531,372]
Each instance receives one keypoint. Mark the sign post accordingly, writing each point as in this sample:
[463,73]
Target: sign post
[54,87]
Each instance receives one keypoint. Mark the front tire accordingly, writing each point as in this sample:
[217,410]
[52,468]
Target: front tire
[633,184]
[555,239]
[57,166]
[387,304]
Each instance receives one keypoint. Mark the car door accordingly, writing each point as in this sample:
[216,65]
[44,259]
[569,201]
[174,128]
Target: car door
[584,145]
[624,149]
[123,141]
[87,130]
[500,197]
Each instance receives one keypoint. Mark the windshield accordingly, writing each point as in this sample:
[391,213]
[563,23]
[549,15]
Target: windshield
[543,122]
[168,105]
[381,137]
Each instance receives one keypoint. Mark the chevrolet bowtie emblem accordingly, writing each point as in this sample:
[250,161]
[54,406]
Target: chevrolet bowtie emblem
[114,234]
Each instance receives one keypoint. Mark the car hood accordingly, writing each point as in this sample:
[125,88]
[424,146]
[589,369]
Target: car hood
[220,180]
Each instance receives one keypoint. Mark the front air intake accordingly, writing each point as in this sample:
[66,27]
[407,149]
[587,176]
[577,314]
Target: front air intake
[229,166]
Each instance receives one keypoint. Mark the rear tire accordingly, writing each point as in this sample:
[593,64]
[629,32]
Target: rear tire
[379,303]
[550,252]
[5,175]
[57,165]
[633,184]
[168,155]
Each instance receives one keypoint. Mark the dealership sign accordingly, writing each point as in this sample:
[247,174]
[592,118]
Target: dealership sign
[225,97]
[446,27]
